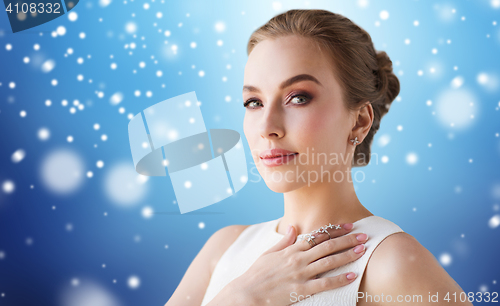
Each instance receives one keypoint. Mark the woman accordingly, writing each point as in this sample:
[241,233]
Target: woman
[315,91]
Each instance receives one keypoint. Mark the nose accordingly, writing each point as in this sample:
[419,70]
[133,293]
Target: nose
[271,126]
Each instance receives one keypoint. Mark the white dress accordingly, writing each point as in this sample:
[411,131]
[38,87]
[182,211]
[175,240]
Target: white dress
[258,238]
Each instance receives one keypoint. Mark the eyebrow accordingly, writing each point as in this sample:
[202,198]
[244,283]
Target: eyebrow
[285,84]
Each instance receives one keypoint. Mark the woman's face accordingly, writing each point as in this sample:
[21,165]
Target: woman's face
[306,117]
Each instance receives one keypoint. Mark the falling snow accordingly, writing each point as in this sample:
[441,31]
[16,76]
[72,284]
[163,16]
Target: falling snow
[75,86]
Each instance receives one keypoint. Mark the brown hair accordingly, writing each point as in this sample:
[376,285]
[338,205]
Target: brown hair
[363,74]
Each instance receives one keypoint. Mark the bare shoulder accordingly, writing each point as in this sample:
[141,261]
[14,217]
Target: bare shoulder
[401,266]
[399,250]
[221,240]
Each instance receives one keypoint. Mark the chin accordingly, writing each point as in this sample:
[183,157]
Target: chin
[275,179]
[282,187]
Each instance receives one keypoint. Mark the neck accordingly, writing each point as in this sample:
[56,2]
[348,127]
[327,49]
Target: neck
[310,207]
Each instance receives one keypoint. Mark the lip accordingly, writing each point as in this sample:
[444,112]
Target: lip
[276,157]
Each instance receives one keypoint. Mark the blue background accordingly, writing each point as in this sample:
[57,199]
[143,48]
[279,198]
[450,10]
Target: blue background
[51,244]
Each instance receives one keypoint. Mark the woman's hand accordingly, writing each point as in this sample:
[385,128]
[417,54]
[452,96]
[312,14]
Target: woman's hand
[289,268]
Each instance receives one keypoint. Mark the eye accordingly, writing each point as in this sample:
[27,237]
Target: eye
[250,101]
[301,98]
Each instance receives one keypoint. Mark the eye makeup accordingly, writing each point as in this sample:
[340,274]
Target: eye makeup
[290,97]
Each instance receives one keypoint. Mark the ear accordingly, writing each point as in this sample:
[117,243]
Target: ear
[363,121]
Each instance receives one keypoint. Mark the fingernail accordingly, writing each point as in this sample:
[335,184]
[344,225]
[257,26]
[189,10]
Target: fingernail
[361,237]
[289,229]
[359,248]
[351,275]
[348,226]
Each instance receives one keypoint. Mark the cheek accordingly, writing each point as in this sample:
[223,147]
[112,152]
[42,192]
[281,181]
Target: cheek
[250,131]
[249,127]
[320,129]
[245,123]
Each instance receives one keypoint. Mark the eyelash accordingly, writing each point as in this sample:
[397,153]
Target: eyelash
[307,96]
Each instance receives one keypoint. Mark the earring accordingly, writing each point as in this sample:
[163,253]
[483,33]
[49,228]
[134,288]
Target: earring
[355,141]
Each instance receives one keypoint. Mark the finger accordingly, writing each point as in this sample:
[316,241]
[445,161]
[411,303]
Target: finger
[319,237]
[327,283]
[334,261]
[335,245]
[286,241]
[332,231]
[339,230]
